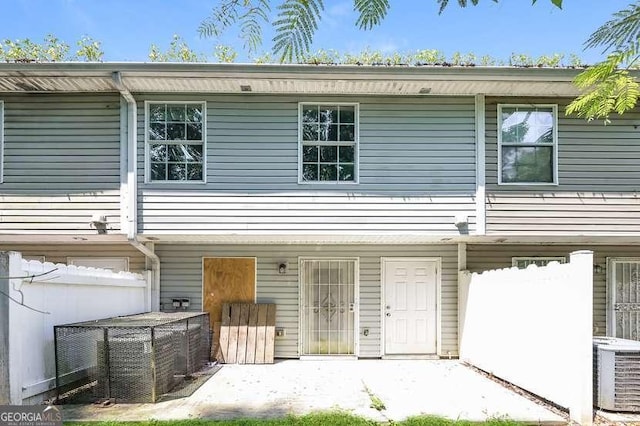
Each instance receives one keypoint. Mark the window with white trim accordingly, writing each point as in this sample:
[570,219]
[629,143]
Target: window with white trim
[175,136]
[528,144]
[523,262]
[328,143]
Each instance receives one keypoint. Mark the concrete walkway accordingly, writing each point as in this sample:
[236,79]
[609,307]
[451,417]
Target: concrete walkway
[407,388]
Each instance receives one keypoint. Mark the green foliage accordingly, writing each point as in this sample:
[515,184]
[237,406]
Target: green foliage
[52,49]
[225,54]
[607,87]
[178,51]
[372,12]
[429,56]
[89,49]
[295,25]
[249,15]
[464,3]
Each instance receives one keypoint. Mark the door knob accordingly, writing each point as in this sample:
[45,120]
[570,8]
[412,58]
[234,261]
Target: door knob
[388,314]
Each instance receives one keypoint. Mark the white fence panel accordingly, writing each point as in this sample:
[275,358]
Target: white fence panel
[533,327]
[52,295]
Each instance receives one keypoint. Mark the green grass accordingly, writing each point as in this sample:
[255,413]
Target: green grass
[336,418]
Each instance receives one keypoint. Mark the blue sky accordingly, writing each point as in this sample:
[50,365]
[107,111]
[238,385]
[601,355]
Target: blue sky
[128,27]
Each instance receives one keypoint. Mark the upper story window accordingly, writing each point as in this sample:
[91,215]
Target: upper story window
[175,141]
[528,144]
[328,143]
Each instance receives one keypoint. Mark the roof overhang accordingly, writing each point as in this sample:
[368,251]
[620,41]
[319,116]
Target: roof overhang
[288,79]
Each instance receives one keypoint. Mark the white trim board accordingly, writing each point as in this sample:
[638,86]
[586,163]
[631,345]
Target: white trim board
[438,261]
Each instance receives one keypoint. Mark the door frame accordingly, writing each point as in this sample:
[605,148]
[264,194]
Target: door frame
[255,278]
[356,313]
[611,291]
[383,266]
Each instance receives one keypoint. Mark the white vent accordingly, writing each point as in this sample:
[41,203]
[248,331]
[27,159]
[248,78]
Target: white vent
[616,381]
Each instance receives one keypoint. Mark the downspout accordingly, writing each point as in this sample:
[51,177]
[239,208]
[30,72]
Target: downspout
[132,191]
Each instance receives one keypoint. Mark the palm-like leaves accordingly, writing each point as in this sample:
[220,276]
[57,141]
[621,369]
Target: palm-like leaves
[623,30]
[296,23]
[464,3]
[250,15]
[372,12]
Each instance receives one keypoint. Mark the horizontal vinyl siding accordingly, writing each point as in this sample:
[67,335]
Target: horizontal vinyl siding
[182,277]
[485,257]
[61,163]
[417,170]
[598,174]
[58,253]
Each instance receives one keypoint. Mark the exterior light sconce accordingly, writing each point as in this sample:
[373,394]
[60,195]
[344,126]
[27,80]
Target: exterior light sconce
[282,268]
[598,269]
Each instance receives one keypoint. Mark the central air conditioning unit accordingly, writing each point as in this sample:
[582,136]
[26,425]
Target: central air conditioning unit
[616,374]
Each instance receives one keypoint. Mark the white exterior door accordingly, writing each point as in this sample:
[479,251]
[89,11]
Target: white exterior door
[410,306]
[624,298]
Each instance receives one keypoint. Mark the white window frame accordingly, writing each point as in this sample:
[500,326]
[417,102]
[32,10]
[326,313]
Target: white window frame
[554,108]
[147,160]
[1,141]
[356,154]
[559,259]
[87,260]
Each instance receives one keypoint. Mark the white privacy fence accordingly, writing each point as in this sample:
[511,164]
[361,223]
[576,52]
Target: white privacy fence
[533,327]
[35,297]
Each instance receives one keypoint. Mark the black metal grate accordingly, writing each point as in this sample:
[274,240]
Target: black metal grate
[135,358]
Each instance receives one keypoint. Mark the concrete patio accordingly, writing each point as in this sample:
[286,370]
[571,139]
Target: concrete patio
[407,388]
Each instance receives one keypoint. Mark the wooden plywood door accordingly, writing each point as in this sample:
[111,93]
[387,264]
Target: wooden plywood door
[226,280]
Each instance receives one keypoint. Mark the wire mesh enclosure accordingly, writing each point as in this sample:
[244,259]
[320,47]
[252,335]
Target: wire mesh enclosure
[135,358]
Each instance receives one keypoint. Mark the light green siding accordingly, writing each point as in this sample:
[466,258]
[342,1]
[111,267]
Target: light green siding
[182,277]
[417,170]
[598,180]
[61,163]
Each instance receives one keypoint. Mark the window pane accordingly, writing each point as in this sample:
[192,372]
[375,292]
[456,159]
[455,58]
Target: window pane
[527,164]
[310,114]
[158,171]
[157,112]
[346,154]
[177,153]
[347,114]
[310,132]
[309,153]
[194,132]
[347,133]
[158,153]
[176,112]
[175,132]
[194,113]
[329,132]
[527,125]
[193,153]
[310,172]
[328,114]
[177,172]
[346,172]
[194,171]
[328,172]
[329,153]
[157,131]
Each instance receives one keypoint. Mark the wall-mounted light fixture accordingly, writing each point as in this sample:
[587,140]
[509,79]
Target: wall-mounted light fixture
[598,269]
[282,268]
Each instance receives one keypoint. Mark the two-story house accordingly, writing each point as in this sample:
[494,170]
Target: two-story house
[350,196]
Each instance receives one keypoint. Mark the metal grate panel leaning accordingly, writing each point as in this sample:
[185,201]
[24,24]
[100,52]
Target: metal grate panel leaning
[134,358]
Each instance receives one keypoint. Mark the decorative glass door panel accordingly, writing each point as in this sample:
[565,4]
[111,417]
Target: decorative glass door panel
[328,307]
[625,295]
